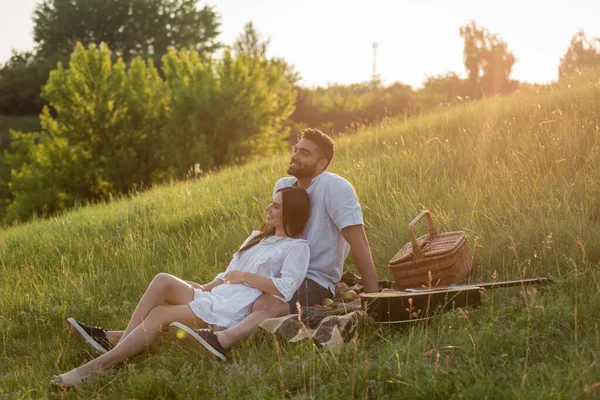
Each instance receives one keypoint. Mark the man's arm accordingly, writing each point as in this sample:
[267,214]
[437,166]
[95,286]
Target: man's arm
[361,254]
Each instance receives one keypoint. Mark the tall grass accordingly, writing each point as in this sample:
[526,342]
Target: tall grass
[521,175]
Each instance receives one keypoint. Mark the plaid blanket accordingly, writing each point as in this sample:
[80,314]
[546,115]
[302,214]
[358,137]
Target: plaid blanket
[331,332]
[330,323]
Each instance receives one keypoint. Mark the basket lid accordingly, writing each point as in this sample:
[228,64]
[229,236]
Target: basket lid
[431,246]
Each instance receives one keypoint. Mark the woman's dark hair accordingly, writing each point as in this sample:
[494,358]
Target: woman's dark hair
[296,210]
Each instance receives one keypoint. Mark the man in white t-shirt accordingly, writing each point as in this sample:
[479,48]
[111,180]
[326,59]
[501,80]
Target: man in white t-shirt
[334,228]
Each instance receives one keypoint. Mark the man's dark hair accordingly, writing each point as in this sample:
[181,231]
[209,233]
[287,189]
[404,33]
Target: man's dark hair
[323,141]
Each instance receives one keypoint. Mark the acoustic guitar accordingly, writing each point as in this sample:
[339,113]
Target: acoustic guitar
[408,305]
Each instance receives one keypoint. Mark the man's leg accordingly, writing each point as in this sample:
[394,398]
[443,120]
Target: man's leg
[308,294]
[266,306]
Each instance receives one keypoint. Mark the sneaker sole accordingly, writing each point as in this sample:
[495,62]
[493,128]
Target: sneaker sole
[190,339]
[83,337]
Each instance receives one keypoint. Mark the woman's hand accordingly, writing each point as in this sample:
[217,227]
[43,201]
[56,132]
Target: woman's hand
[195,285]
[236,277]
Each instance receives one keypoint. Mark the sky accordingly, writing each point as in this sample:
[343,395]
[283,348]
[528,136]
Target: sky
[331,41]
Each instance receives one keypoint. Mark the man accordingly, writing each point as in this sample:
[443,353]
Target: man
[335,227]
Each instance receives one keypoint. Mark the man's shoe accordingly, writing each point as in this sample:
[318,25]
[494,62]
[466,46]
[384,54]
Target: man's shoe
[199,340]
[93,337]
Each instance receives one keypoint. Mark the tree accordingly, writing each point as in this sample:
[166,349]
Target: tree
[104,136]
[21,81]
[115,125]
[338,108]
[390,101]
[443,89]
[487,60]
[583,52]
[227,109]
[128,27]
[249,42]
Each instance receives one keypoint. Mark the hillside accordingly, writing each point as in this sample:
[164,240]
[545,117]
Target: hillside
[520,174]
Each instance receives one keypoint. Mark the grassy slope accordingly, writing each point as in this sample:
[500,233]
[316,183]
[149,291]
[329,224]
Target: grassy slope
[520,174]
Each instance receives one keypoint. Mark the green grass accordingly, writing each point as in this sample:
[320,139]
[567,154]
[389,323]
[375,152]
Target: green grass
[521,175]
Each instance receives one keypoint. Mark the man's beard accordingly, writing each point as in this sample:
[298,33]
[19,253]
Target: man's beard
[306,171]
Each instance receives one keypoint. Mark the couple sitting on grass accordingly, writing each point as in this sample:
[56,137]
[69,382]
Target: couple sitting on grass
[296,258]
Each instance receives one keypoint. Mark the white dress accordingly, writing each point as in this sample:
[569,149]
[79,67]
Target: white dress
[283,259]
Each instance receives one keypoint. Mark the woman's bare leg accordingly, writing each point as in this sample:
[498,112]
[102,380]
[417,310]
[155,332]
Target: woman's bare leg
[163,288]
[141,337]
[113,337]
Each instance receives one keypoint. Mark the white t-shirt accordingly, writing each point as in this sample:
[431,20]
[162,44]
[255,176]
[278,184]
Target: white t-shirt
[334,206]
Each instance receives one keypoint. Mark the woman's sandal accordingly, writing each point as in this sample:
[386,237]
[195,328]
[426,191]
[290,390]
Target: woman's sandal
[69,379]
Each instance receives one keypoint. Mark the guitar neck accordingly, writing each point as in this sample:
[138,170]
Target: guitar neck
[517,282]
[483,285]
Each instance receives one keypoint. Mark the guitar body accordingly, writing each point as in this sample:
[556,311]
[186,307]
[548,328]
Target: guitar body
[407,306]
[396,307]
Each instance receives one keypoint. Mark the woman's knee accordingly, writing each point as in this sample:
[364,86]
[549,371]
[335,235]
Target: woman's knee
[161,280]
[158,317]
[162,316]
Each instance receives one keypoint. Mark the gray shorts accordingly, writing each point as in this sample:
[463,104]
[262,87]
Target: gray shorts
[309,293]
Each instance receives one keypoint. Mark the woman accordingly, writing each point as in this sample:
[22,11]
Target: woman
[273,260]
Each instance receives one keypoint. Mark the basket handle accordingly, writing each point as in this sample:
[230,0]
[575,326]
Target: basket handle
[418,254]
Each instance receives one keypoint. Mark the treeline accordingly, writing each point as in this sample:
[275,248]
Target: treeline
[110,126]
[340,108]
[488,63]
[136,92]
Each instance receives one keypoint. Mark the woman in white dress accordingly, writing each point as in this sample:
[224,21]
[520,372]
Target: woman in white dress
[272,260]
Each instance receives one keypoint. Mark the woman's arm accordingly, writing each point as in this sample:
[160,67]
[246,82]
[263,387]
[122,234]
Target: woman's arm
[292,273]
[207,287]
[195,285]
[221,277]
[260,282]
[210,286]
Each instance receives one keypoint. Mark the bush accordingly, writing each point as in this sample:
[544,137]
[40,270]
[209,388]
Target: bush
[340,107]
[224,110]
[119,126]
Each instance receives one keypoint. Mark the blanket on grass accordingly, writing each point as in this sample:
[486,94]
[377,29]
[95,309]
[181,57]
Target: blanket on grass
[330,323]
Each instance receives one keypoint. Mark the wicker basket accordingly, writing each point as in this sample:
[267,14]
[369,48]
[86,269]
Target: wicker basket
[445,255]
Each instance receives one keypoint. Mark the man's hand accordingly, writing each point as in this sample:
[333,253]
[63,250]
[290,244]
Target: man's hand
[236,277]
[361,254]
